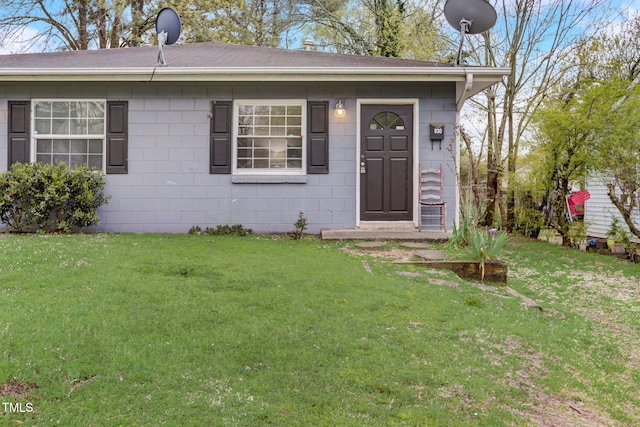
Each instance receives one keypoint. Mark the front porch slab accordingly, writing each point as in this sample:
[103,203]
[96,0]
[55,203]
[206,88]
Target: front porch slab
[386,234]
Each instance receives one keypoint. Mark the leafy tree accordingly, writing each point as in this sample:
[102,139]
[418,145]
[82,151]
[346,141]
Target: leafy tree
[90,24]
[566,138]
[532,39]
[618,149]
[392,28]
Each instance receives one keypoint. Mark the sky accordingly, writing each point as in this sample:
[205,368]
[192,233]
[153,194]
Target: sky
[18,44]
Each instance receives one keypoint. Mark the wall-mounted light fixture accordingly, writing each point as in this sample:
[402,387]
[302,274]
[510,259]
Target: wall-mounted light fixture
[340,110]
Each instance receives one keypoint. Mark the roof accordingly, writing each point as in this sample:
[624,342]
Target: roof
[227,62]
[196,55]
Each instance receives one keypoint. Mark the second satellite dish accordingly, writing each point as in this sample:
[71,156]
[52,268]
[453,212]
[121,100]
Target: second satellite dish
[168,28]
[470,17]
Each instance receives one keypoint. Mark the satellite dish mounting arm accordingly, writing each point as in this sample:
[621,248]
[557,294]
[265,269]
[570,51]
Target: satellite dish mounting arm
[162,40]
[465,27]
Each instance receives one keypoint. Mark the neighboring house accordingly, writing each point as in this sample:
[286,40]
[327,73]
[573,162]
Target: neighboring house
[599,211]
[229,134]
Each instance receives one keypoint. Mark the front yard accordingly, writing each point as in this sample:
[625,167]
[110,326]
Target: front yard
[148,330]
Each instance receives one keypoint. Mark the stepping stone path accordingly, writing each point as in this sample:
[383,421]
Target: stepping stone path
[432,255]
[415,245]
[371,246]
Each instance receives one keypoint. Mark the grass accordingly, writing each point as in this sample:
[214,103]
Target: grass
[148,330]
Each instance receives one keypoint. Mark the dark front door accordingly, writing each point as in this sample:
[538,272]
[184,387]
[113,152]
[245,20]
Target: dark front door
[386,163]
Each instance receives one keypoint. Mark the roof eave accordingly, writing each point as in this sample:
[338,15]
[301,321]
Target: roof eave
[221,74]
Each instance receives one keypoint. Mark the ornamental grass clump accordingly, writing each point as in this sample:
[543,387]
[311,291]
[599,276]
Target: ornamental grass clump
[486,245]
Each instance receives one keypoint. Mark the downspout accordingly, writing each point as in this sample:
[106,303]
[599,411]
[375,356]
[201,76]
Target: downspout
[459,103]
[465,93]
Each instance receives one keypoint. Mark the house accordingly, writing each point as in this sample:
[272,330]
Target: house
[228,134]
[599,211]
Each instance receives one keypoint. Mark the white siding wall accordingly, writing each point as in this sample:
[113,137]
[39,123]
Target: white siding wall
[599,211]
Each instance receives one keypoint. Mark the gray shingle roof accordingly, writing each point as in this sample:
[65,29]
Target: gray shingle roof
[198,55]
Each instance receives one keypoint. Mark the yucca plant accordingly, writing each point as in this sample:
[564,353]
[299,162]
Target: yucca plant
[485,245]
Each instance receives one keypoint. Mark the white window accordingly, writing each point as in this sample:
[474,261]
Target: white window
[269,136]
[69,131]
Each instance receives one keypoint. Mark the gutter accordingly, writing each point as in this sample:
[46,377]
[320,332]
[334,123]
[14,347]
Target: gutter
[225,74]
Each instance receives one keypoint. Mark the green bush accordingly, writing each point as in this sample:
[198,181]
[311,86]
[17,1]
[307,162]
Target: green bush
[50,198]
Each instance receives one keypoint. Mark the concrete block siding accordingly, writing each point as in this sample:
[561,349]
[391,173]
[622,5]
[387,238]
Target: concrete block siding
[168,187]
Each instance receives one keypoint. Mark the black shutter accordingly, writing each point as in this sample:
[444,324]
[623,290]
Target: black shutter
[117,137]
[19,132]
[318,137]
[220,137]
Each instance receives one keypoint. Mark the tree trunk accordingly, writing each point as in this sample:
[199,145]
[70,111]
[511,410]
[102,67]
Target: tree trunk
[83,35]
[626,213]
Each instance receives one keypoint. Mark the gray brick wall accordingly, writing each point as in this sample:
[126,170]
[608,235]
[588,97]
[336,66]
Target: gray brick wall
[168,187]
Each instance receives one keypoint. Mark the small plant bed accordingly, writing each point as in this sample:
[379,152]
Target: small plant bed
[494,271]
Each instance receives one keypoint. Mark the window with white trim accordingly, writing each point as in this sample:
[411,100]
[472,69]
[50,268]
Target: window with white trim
[69,131]
[269,136]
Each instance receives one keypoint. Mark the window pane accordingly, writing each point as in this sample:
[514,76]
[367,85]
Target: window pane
[95,109]
[43,126]
[43,146]
[277,130]
[78,127]
[60,126]
[95,146]
[95,162]
[278,163]
[95,126]
[61,146]
[294,153]
[279,110]
[262,110]
[261,153]
[294,110]
[78,160]
[79,146]
[43,109]
[244,163]
[64,158]
[261,163]
[294,164]
[245,120]
[297,142]
[77,109]
[244,152]
[278,120]
[245,110]
[43,158]
[60,109]
[245,142]
[294,121]
[294,131]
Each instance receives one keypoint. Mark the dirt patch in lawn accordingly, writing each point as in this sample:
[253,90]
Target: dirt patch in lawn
[15,389]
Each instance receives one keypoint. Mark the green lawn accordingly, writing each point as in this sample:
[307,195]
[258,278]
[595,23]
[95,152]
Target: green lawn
[149,330]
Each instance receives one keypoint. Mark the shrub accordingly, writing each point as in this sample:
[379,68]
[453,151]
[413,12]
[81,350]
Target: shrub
[50,198]
[299,226]
[227,230]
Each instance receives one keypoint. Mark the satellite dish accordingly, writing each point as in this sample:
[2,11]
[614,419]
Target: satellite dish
[168,28]
[470,17]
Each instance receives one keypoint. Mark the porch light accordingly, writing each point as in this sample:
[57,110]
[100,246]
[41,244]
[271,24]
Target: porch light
[340,110]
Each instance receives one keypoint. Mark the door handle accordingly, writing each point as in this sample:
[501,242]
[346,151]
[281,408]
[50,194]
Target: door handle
[363,168]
